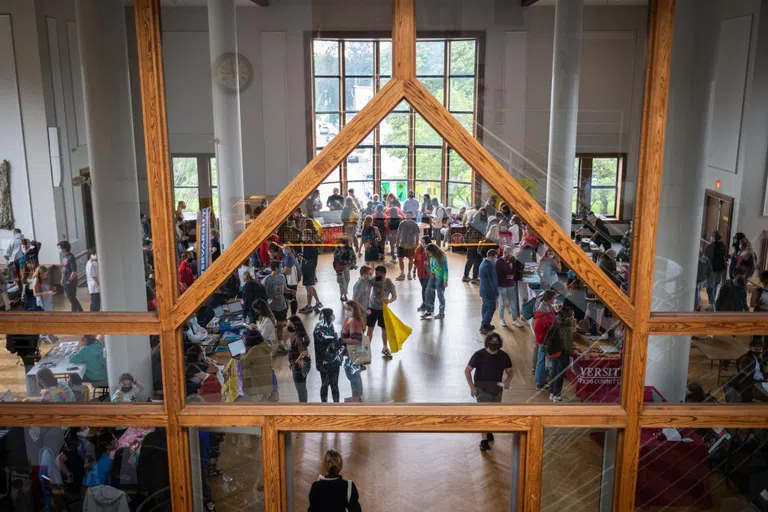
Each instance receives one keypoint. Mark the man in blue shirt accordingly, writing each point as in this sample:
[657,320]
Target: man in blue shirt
[489,290]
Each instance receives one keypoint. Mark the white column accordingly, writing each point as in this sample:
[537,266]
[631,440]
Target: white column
[222,33]
[101,33]
[564,109]
[682,198]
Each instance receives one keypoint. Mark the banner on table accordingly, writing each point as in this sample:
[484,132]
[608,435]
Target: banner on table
[233,381]
[204,238]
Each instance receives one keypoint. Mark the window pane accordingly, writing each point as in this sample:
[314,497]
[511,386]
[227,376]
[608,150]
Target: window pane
[190,196]
[429,164]
[430,58]
[385,58]
[399,188]
[605,171]
[358,92]
[363,190]
[425,134]
[368,140]
[214,172]
[326,94]
[326,189]
[394,129]
[462,94]
[358,58]
[436,86]
[604,201]
[185,172]
[463,57]
[326,128]
[326,57]
[459,195]
[433,188]
[578,469]
[458,169]
[394,163]
[215,197]
[360,165]
[466,120]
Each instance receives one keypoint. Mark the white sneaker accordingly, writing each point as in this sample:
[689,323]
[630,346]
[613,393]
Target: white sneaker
[551,397]
[503,322]
[558,399]
[604,337]
[517,323]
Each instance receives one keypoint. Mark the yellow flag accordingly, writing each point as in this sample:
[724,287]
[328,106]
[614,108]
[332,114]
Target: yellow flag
[397,331]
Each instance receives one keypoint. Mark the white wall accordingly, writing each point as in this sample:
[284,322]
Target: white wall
[518,69]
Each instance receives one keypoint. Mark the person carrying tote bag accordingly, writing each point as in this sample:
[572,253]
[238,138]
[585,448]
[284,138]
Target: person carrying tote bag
[357,349]
[331,493]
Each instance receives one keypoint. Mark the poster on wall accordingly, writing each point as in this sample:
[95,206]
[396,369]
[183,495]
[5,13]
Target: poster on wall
[204,238]
[399,188]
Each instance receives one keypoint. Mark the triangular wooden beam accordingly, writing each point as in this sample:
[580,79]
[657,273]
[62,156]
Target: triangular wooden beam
[289,199]
[518,199]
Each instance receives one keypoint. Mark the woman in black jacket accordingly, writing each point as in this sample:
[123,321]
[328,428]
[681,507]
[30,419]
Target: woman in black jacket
[332,493]
[327,355]
[253,290]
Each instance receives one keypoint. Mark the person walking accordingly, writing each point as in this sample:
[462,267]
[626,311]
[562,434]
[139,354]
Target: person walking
[328,354]
[307,255]
[94,282]
[489,364]
[478,223]
[298,355]
[394,217]
[746,259]
[717,253]
[331,493]
[733,293]
[186,274]
[352,336]
[252,291]
[41,289]
[411,204]
[370,237]
[343,261]
[406,241]
[291,274]
[489,290]
[508,271]
[438,282]
[421,269]
[382,292]
[69,274]
[350,215]
[544,316]
[276,287]
[559,345]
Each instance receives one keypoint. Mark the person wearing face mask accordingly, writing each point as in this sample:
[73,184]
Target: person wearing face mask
[489,290]
[382,292]
[298,355]
[328,355]
[94,282]
[291,274]
[421,268]
[186,274]
[69,274]
[438,282]
[548,268]
[343,261]
[411,204]
[508,272]
[352,335]
[276,286]
[559,345]
[490,364]
[733,293]
[752,371]
[308,256]
[128,390]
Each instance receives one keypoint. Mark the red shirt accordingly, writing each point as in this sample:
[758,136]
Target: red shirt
[186,276]
[422,263]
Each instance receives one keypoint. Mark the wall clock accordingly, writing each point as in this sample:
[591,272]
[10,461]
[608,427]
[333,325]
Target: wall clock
[233,71]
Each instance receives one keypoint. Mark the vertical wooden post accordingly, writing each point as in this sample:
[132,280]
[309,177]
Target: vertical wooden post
[534,456]
[160,200]
[271,459]
[404,39]
[660,30]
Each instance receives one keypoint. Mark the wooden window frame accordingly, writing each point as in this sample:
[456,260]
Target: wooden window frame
[635,311]
[204,178]
[585,173]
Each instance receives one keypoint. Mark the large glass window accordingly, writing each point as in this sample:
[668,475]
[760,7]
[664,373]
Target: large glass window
[597,184]
[404,152]
[195,182]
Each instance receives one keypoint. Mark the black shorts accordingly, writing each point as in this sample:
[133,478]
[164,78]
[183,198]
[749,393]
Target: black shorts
[281,316]
[377,315]
[309,274]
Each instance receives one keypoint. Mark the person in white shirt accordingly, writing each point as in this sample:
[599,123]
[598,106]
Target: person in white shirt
[411,204]
[128,390]
[94,281]
[194,331]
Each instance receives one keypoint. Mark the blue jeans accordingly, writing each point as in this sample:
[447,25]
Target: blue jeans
[435,286]
[508,298]
[541,370]
[355,381]
[487,311]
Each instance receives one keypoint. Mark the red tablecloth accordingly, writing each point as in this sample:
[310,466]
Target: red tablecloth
[595,379]
[673,473]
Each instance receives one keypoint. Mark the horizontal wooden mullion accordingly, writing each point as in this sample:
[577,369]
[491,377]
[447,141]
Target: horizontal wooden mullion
[679,324]
[79,323]
[94,415]
[404,423]
[706,416]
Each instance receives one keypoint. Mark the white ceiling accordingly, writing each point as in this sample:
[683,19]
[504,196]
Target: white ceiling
[607,3]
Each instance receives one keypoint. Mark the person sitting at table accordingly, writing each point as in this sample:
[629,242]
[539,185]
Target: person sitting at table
[596,227]
[51,389]
[695,394]
[576,299]
[91,353]
[752,371]
[257,367]
[98,474]
[196,368]
[607,264]
[128,390]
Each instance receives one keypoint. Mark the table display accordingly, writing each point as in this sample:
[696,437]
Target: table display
[594,371]
[56,360]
